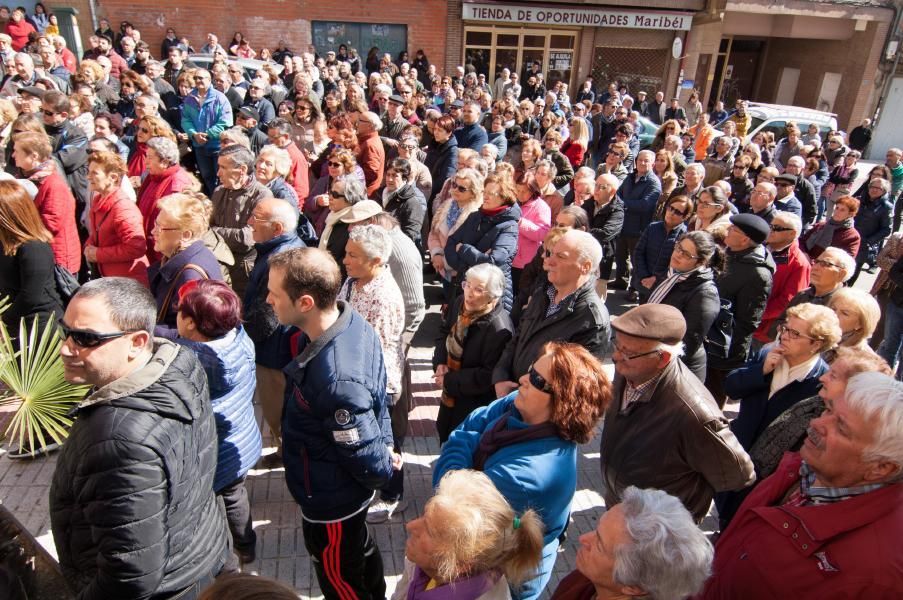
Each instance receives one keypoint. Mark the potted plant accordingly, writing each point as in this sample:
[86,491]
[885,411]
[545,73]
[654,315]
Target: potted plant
[33,377]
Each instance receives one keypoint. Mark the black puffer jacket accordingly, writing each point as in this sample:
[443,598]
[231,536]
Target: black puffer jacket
[746,282]
[132,506]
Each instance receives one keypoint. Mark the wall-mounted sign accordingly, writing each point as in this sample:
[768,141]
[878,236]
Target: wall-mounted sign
[577,17]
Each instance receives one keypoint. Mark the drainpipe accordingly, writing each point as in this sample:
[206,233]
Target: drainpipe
[92,6]
[889,77]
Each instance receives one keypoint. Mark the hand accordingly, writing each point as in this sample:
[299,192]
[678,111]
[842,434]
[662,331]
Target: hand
[397,460]
[648,282]
[323,200]
[182,137]
[390,142]
[438,262]
[91,253]
[458,247]
[772,360]
[135,180]
[503,388]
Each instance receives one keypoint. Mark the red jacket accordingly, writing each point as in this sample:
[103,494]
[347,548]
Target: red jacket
[56,204]
[299,173]
[847,239]
[117,230]
[371,156]
[574,151]
[171,181]
[69,60]
[19,32]
[790,278]
[849,549]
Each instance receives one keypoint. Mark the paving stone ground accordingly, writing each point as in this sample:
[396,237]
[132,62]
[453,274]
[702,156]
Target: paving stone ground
[24,486]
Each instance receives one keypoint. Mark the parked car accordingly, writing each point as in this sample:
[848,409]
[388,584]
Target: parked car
[250,66]
[774,118]
[645,130]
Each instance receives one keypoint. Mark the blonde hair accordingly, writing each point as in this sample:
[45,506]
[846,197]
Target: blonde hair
[281,160]
[823,324]
[476,530]
[475,180]
[867,310]
[189,209]
[580,132]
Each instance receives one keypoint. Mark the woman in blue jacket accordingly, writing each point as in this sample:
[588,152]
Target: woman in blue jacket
[209,322]
[526,442]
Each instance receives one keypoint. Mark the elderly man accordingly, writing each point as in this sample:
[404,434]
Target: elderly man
[206,113]
[134,514]
[791,274]
[212,46]
[693,186]
[629,552]
[606,218]
[66,55]
[639,193]
[567,310]
[335,424]
[272,223]
[761,201]
[746,283]
[718,165]
[280,133]
[663,429]
[247,118]
[256,99]
[233,203]
[785,200]
[371,154]
[393,122]
[69,144]
[803,189]
[828,522]
[24,77]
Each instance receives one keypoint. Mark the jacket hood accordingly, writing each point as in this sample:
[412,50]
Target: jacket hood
[757,256]
[168,367]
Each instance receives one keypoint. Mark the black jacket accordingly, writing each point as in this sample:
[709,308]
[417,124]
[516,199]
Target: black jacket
[132,507]
[697,298]
[70,150]
[442,161]
[408,206]
[605,225]
[582,320]
[746,283]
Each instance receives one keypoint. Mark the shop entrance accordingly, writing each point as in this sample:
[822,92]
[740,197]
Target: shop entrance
[491,49]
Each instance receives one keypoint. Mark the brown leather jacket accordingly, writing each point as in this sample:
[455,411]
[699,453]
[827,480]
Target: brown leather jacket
[674,439]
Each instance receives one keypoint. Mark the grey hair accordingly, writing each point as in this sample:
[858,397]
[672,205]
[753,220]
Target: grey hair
[239,156]
[675,139]
[475,177]
[281,159]
[884,183]
[674,350]
[236,135]
[130,305]
[264,84]
[649,153]
[284,213]
[354,190]
[878,399]
[374,240]
[479,165]
[548,165]
[493,150]
[492,275]
[847,262]
[696,167]
[25,57]
[166,149]
[588,247]
[585,173]
[791,220]
[373,119]
[668,555]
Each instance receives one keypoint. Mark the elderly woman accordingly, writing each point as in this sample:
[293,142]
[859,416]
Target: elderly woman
[116,242]
[272,167]
[489,234]
[442,157]
[689,286]
[777,379]
[178,230]
[344,193]
[653,251]
[409,149]
[713,212]
[209,324]
[530,153]
[469,544]
[475,331]
[145,128]
[858,313]
[164,177]
[466,191]
[340,162]
[837,231]
[873,222]
[371,290]
[403,200]
[546,174]
[535,222]
[34,157]
[557,406]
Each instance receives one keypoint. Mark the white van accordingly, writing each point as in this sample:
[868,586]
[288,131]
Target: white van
[774,118]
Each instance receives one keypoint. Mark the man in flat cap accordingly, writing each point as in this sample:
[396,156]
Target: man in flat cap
[746,284]
[663,429]
[393,125]
[785,200]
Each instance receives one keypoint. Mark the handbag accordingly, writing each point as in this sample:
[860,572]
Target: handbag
[718,340]
[66,284]
[164,308]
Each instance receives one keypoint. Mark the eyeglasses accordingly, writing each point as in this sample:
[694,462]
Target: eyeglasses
[626,356]
[48,113]
[876,187]
[679,250]
[88,339]
[792,334]
[779,229]
[201,78]
[824,263]
[336,194]
[679,213]
[300,108]
[538,381]
[144,130]
[710,204]
[459,187]
[334,164]
[476,289]
[409,147]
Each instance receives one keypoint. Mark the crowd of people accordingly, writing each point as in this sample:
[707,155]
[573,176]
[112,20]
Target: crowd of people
[263,237]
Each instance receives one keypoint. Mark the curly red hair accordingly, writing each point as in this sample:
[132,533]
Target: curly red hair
[581,390]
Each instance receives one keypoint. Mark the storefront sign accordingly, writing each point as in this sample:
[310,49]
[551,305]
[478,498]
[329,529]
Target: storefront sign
[577,17]
[560,61]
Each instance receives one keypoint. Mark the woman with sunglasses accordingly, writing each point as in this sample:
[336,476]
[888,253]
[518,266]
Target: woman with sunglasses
[466,191]
[689,286]
[209,324]
[527,442]
[778,378]
[339,162]
[145,128]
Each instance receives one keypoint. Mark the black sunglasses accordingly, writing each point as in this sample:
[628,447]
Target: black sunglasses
[335,194]
[779,229]
[89,339]
[538,381]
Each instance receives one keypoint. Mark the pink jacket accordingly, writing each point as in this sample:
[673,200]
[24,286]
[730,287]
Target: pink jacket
[534,224]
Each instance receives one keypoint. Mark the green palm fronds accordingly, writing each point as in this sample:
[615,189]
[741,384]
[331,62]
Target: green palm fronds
[34,375]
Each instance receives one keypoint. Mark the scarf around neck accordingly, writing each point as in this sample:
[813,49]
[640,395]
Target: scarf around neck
[500,436]
[662,290]
[824,237]
[454,343]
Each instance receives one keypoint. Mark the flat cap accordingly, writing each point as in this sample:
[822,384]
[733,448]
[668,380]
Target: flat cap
[396,99]
[249,112]
[755,228]
[786,178]
[32,90]
[660,322]
[457,104]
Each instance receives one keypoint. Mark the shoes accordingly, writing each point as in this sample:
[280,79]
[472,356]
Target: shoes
[20,453]
[271,461]
[382,510]
[246,557]
[617,284]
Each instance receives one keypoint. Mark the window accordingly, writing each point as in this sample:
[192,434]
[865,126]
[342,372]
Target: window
[328,35]
[491,49]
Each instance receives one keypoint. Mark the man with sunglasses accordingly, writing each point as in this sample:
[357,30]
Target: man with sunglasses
[132,507]
[248,118]
[69,144]
[663,430]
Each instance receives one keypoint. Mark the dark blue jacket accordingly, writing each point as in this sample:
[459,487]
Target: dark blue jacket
[336,433]
[229,364]
[271,338]
[442,161]
[873,221]
[171,275]
[640,195]
[790,204]
[472,136]
[652,254]
[483,239]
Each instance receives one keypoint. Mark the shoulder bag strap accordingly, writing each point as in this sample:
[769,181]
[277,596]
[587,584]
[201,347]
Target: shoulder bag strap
[164,309]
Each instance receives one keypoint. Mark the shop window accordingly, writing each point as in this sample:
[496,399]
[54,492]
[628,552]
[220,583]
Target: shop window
[639,69]
[562,41]
[479,38]
[517,49]
[328,35]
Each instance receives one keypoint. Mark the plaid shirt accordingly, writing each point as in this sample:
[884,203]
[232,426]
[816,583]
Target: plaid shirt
[632,394]
[553,308]
[810,494]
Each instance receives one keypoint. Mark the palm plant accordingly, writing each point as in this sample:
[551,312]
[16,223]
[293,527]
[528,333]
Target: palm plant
[34,376]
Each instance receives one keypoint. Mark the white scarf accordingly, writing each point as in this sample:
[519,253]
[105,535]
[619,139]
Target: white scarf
[783,374]
[331,219]
[662,290]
